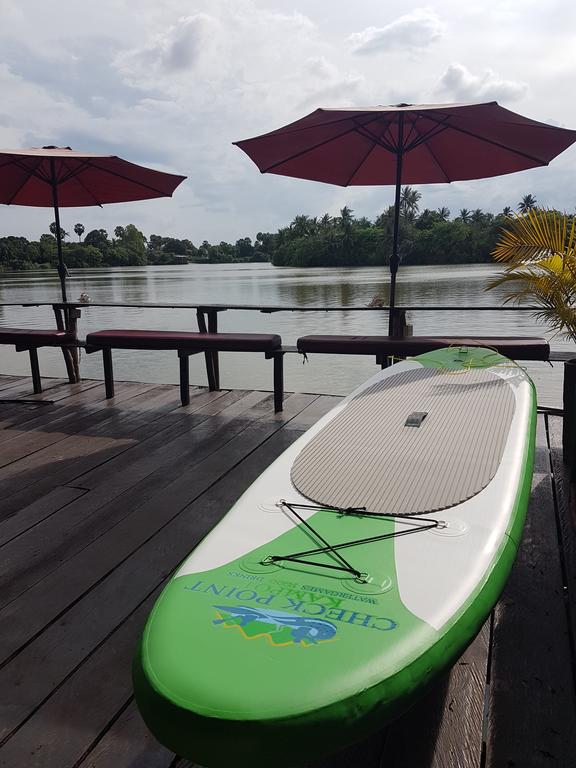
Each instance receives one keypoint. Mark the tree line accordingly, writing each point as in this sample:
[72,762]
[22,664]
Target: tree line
[426,237]
[127,248]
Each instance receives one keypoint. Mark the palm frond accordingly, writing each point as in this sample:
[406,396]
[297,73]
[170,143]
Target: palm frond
[536,235]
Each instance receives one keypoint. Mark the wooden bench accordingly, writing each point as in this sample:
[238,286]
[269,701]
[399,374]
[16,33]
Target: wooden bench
[30,339]
[186,344]
[383,347]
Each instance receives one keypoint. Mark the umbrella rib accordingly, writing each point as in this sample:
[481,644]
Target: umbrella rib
[127,178]
[424,143]
[436,130]
[370,117]
[360,164]
[498,144]
[76,177]
[379,141]
[31,172]
[315,146]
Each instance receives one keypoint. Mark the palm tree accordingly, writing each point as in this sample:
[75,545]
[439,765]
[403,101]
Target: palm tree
[79,230]
[464,215]
[300,227]
[63,233]
[325,224]
[528,203]
[477,216]
[540,251]
[507,211]
[409,199]
[346,219]
[443,213]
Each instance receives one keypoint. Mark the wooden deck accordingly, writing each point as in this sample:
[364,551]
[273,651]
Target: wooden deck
[100,500]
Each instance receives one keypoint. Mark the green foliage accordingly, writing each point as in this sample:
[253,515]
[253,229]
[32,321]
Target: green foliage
[16,253]
[539,249]
[99,239]
[81,255]
[427,237]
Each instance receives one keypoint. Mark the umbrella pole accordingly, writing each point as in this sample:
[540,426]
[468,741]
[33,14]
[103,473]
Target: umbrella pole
[394,257]
[70,354]
[61,266]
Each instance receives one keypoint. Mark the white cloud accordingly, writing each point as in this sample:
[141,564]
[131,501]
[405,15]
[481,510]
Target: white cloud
[414,30]
[459,84]
[177,48]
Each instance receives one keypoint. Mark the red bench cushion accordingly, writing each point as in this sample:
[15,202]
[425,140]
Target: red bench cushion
[34,337]
[517,348]
[223,342]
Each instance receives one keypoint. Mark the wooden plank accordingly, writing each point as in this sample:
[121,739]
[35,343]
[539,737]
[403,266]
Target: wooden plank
[195,503]
[6,381]
[38,511]
[28,615]
[532,713]
[138,424]
[23,389]
[131,466]
[46,546]
[448,721]
[565,492]
[26,418]
[82,705]
[91,411]
[128,744]
[78,453]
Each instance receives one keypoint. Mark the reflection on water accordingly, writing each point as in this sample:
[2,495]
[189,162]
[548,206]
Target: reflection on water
[449,285]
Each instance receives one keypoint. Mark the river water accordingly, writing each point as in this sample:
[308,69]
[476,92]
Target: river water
[263,284]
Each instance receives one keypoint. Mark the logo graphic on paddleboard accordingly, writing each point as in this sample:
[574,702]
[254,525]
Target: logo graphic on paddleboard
[277,627]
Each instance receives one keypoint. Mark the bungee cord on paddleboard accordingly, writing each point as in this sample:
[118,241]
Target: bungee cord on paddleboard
[333,549]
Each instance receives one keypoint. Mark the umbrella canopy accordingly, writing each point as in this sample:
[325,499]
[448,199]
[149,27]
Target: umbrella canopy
[60,177]
[406,144]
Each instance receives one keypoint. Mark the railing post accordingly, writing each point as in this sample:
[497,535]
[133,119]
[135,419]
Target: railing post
[66,320]
[569,422]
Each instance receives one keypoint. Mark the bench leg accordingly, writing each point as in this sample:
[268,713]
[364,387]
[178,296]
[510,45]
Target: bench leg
[108,372]
[36,381]
[278,381]
[184,379]
[69,362]
[213,328]
[213,384]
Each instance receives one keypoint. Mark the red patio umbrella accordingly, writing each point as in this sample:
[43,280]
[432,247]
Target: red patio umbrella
[60,177]
[406,144]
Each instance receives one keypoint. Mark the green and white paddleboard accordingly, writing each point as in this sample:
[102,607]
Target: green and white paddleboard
[356,568]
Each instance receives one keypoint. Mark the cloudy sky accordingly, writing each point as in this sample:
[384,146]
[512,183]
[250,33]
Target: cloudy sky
[171,84]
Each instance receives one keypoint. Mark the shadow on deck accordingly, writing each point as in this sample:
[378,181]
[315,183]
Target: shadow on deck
[99,502]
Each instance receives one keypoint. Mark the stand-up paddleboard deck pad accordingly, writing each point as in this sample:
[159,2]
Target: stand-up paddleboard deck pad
[356,568]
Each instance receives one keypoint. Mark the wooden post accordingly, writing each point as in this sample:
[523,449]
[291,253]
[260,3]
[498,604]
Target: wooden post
[72,314]
[108,371]
[278,381]
[398,327]
[398,322]
[36,381]
[569,422]
[213,328]
[207,355]
[66,320]
[184,377]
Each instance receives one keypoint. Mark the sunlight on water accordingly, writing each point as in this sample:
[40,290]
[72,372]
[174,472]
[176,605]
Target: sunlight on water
[263,284]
